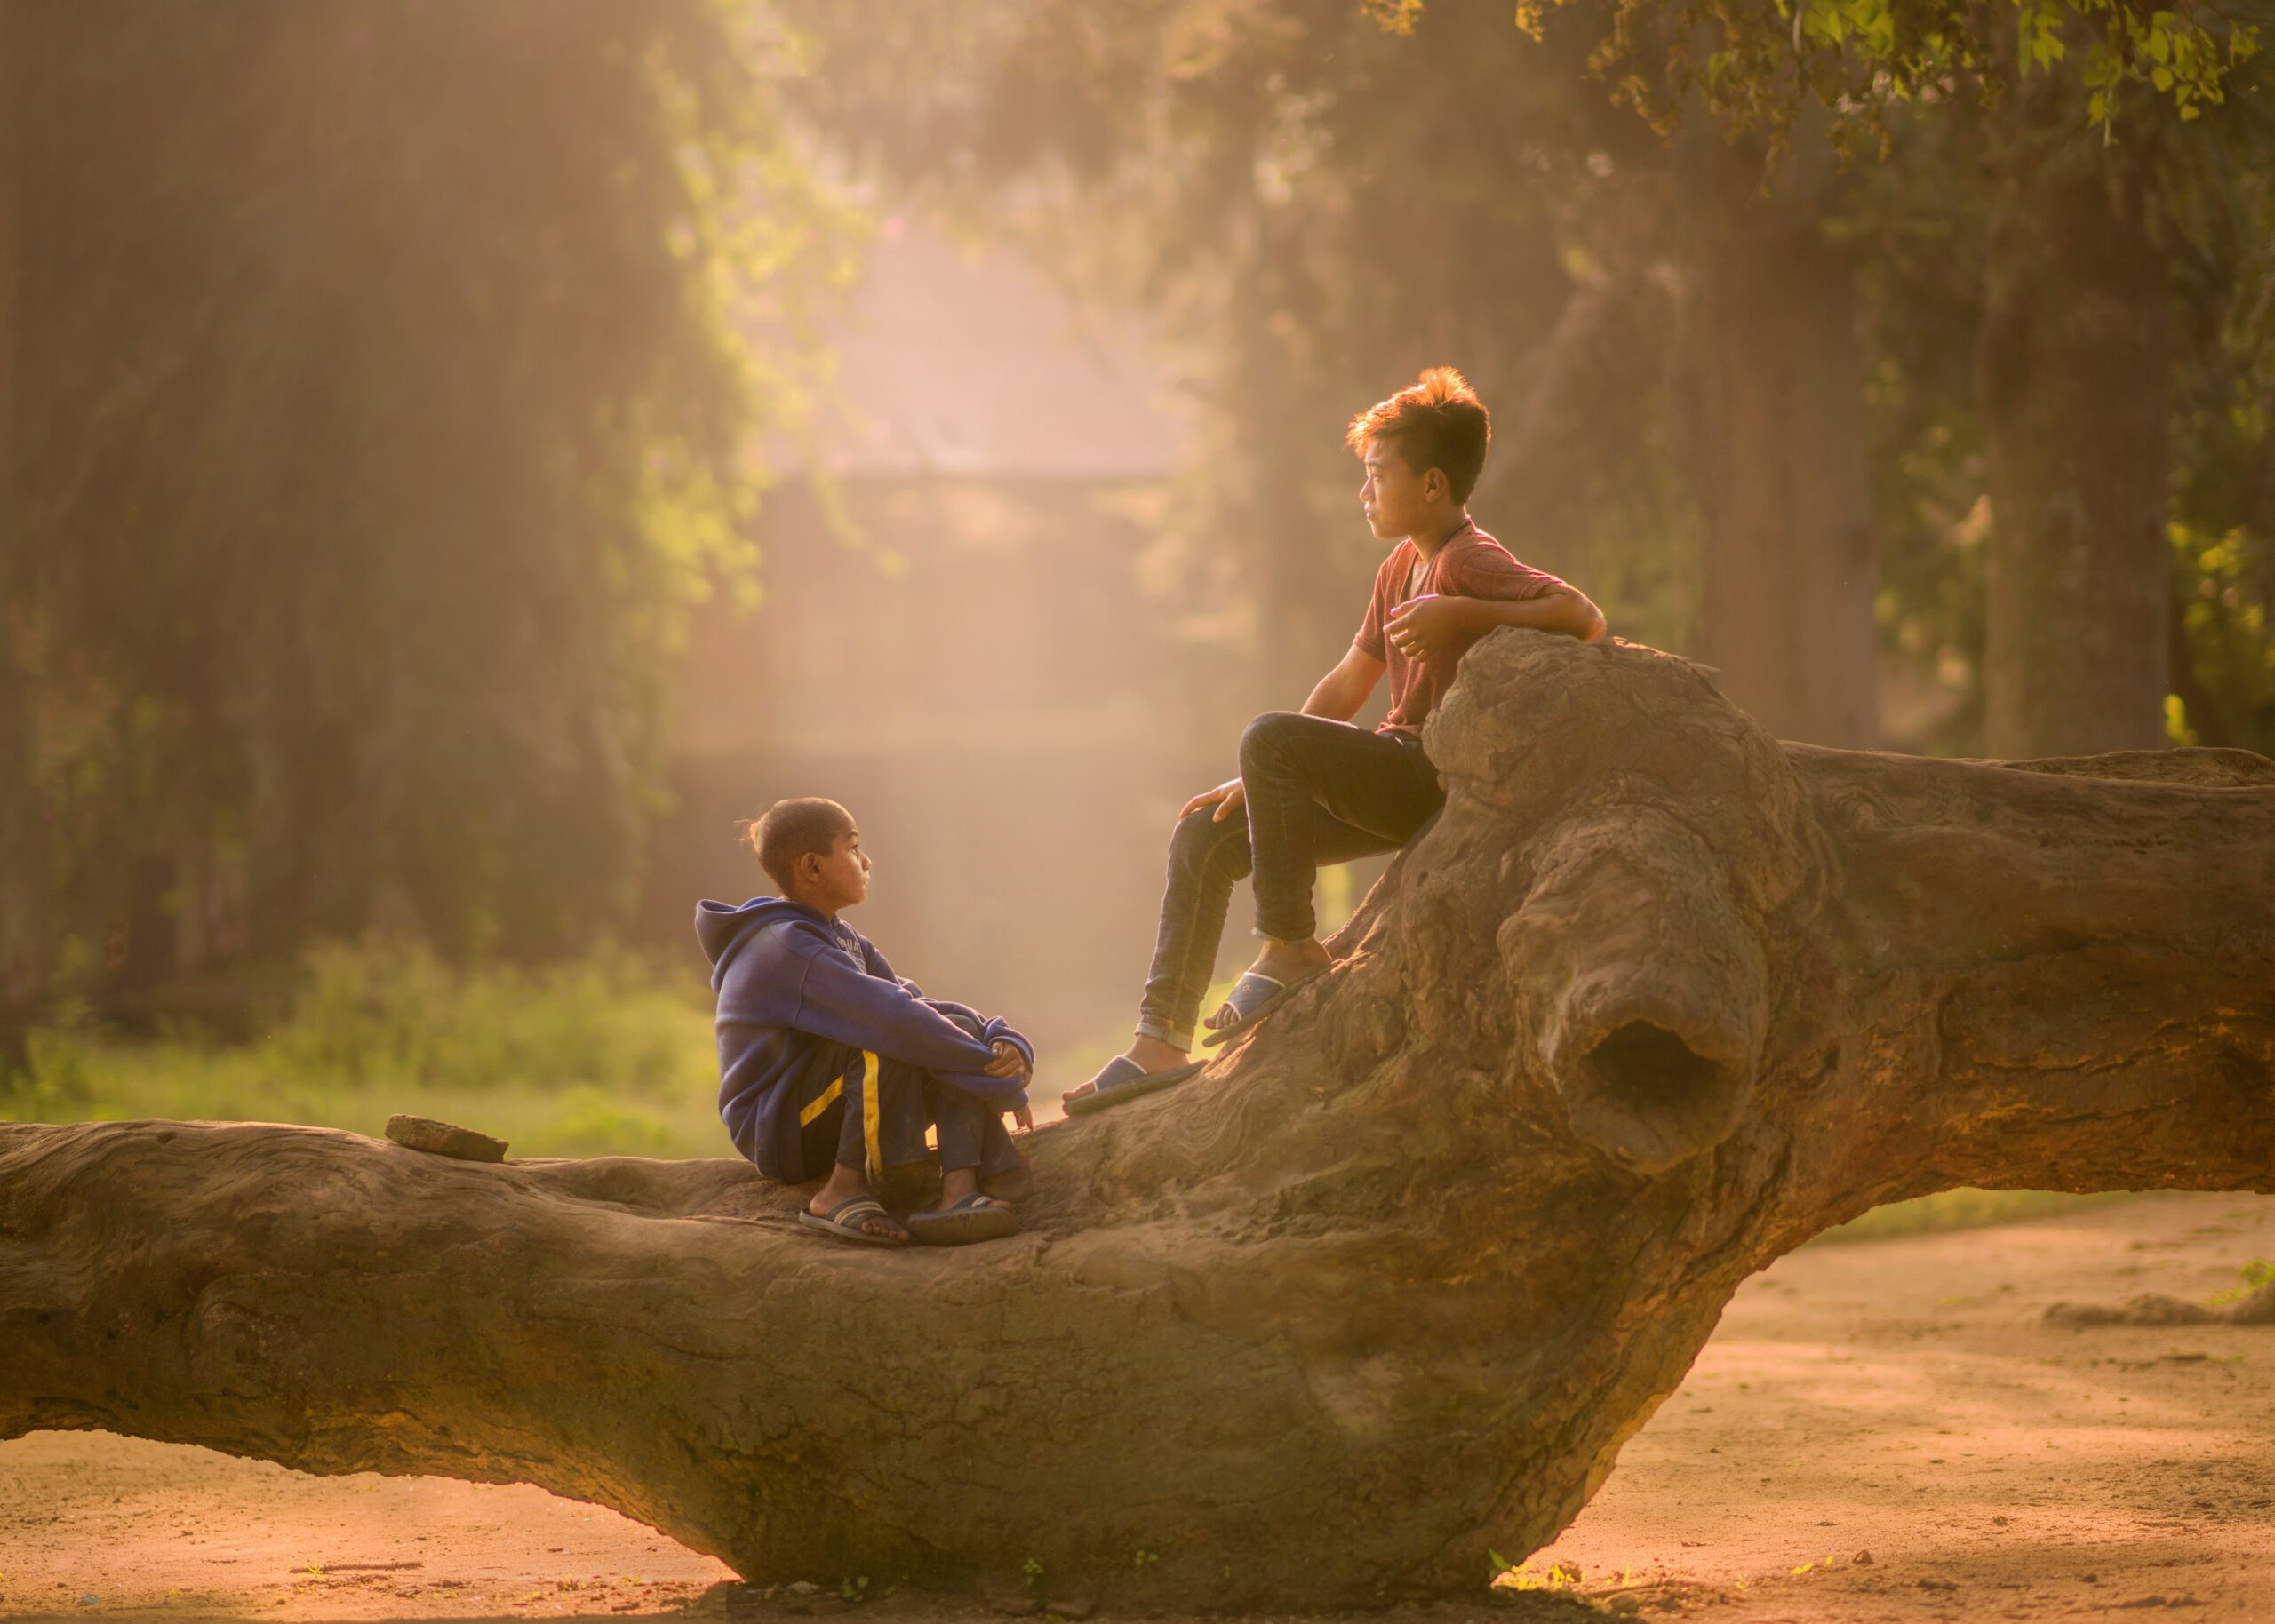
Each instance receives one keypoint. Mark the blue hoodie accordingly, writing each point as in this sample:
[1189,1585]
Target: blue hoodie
[801,996]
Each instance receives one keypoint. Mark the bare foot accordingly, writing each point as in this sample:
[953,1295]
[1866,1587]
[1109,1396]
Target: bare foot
[1289,961]
[845,1184]
[1154,1054]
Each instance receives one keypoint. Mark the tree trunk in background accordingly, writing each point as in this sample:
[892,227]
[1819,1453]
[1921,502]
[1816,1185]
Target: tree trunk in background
[1302,607]
[23,846]
[2074,369]
[1791,559]
[1654,1000]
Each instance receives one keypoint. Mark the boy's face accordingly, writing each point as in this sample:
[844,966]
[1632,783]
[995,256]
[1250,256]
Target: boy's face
[837,879]
[1398,501]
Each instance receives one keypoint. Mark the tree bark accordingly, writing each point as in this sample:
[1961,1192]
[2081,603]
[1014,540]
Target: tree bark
[1302,604]
[1653,1001]
[24,877]
[1791,555]
[2074,363]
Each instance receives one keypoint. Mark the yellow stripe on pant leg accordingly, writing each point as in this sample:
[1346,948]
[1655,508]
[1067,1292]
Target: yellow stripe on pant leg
[870,1119]
[822,1102]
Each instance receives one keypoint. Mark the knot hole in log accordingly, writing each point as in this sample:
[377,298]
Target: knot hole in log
[1643,1072]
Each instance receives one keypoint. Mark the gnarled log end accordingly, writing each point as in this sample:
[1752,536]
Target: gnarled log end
[1644,988]
[1661,849]
[1645,1098]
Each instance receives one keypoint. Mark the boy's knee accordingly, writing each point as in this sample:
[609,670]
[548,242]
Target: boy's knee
[1199,834]
[1263,738]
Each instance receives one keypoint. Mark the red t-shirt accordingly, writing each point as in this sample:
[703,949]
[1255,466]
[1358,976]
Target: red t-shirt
[1472,565]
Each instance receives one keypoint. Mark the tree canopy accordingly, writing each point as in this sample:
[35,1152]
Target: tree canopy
[1316,197]
[381,395]
[1755,64]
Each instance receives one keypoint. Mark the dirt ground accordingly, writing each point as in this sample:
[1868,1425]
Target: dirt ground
[1878,1432]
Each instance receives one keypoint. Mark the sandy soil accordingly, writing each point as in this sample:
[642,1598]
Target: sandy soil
[1878,1432]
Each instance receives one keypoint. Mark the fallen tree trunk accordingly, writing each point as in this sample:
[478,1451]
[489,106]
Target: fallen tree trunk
[1655,999]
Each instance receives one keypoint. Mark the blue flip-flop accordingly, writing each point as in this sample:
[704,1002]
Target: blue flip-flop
[1252,997]
[1124,1078]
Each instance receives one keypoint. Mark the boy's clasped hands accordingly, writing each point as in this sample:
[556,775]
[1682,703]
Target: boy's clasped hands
[1005,1060]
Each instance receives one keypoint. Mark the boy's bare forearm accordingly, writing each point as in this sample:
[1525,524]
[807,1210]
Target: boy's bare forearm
[1339,694]
[1327,699]
[1567,612]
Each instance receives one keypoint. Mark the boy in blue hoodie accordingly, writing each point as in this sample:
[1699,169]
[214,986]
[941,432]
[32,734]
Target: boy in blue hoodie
[828,1061]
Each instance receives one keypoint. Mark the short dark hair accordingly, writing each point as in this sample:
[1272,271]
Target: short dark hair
[789,829]
[1437,422]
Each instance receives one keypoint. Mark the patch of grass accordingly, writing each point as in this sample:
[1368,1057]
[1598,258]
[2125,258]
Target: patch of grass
[612,1019]
[2256,1273]
[608,1056]
[131,1081]
[1960,1209]
[1524,1576]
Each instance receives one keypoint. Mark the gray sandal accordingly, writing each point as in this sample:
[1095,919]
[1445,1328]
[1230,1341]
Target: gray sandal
[1252,997]
[1124,1078]
[844,1222]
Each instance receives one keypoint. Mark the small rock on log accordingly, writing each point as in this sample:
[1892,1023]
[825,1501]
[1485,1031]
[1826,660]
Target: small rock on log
[444,1139]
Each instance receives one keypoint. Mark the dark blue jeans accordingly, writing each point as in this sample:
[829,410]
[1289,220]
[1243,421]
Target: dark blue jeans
[1318,791]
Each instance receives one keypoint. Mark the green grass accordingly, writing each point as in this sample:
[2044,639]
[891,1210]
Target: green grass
[132,1082]
[2255,1274]
[608,1056]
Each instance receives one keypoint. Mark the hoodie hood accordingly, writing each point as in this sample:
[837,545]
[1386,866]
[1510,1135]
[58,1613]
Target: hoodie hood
[720,926]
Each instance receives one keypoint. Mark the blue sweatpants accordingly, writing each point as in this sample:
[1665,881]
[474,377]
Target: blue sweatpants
[875,1115]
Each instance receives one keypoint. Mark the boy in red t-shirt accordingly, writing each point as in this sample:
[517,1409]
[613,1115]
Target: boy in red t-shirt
[1317,790]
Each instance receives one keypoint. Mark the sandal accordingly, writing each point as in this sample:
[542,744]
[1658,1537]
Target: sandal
[844,1222]
[1124,1078]
[973,1218]
[1252,997]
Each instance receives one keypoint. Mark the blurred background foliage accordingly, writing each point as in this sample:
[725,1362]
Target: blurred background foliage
[380,393]
[605,1054]
[382,382]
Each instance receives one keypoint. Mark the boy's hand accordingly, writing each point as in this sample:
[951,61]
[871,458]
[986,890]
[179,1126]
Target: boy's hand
[1004,1060]
[1419,625]
[1227,798]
